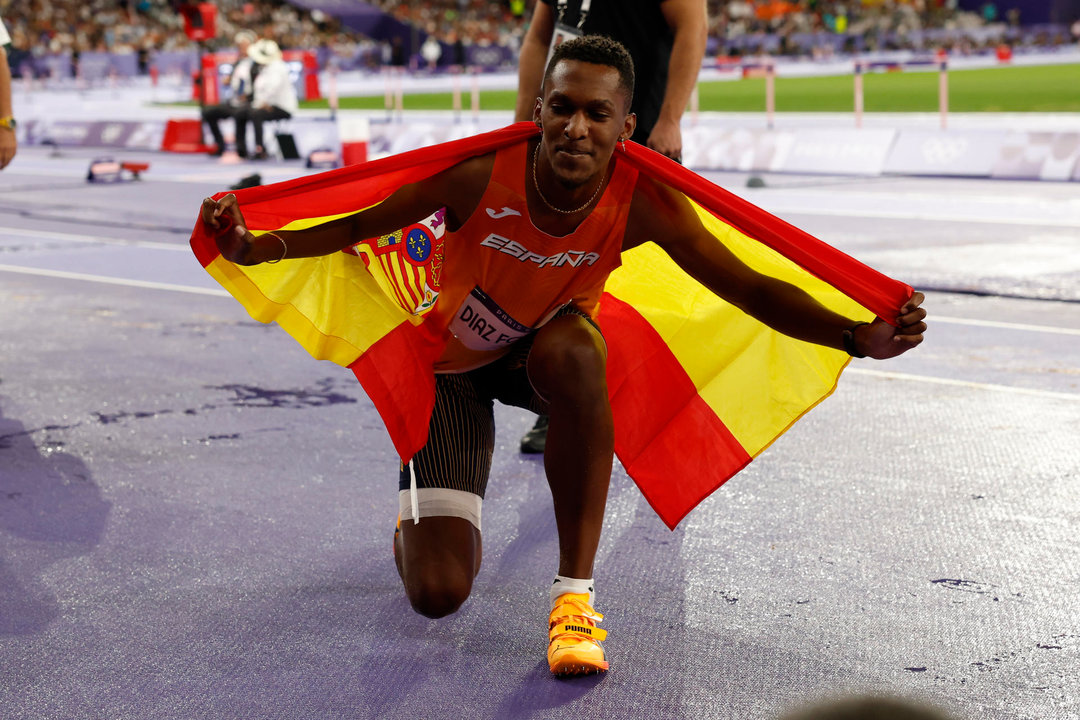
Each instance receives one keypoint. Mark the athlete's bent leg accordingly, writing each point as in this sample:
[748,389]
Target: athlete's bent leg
[444,485]
[567,368]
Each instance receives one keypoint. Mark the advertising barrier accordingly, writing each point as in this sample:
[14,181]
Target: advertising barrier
[844,152]
[738,149]
[1038,156]
[950,153]
[132,135]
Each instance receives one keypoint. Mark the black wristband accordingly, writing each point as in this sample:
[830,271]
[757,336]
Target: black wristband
[849,340]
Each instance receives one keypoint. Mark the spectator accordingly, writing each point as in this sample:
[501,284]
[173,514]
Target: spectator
[461,58]
[240,82]
[397,52]
[274,96]
[431,51]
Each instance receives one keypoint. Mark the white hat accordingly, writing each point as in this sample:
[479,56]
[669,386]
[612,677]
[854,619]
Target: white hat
[245,36]
[264,52]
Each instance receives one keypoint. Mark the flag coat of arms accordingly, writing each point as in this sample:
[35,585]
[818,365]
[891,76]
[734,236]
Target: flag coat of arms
[698,388]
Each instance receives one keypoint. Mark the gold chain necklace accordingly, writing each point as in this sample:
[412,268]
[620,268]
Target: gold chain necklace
[536,183]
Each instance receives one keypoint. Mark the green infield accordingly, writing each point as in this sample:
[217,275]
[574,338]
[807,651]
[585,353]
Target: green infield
[1043,88]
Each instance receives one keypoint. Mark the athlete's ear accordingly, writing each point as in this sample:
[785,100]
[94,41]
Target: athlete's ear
[629,125]
[536,110]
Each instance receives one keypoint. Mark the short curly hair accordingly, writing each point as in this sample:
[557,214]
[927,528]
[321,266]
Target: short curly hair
[599,50]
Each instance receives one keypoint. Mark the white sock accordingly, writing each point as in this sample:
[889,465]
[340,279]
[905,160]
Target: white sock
[563,585]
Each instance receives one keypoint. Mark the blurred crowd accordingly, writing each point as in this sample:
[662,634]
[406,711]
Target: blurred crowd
[736,27]
[119,26]
[479,22]
[864,24]
[733,18]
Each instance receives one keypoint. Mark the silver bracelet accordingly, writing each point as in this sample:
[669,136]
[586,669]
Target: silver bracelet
[284,249]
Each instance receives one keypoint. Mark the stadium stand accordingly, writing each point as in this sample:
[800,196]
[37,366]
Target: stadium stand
[96,39]
[815,28]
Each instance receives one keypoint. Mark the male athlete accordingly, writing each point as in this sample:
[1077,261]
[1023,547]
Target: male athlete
[522,332]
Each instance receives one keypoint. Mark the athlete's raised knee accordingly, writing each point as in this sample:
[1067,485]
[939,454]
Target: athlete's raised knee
[568,355]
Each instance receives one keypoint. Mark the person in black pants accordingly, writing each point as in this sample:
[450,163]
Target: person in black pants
[274,96]
[240,82]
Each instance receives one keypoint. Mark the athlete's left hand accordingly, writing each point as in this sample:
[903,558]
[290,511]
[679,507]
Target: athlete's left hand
[881,341]
[666,139]
[8,145]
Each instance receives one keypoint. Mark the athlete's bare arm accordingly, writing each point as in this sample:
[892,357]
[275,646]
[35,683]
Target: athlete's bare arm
[532,58]
[458,189]
[664,216]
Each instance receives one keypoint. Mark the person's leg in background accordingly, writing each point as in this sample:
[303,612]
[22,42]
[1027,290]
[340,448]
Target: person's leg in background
[241,116]
[534,441]
[211,116]
[258,117]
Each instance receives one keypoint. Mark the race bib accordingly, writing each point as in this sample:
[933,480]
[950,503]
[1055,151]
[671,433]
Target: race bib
[480,324]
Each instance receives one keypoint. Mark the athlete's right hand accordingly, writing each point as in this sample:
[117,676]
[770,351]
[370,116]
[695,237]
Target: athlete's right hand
[230,231]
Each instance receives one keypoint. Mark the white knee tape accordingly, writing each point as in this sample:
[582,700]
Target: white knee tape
[440,502]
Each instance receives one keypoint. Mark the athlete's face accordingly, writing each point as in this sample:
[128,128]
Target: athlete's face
[583,113]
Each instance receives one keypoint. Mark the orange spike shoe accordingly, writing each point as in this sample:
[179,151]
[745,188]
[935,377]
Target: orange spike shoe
[573,638]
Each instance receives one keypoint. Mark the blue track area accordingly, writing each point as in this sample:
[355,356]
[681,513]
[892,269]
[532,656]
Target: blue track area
[196,518]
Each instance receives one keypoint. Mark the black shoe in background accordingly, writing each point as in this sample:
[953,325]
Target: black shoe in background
[247,182]
[534,441]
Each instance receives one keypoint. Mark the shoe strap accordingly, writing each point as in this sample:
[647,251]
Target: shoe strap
[579,628]
[567,606]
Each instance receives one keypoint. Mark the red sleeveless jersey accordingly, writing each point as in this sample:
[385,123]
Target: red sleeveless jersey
[502,277]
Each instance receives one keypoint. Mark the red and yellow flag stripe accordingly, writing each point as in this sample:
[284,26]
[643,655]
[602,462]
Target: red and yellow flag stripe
[697,387]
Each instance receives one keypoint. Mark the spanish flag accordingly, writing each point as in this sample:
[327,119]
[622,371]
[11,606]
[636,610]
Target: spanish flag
[698,388]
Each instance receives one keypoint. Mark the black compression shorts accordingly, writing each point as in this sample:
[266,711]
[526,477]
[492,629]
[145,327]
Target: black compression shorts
[461,436]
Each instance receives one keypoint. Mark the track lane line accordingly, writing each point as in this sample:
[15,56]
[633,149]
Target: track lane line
[149,284]
[779,207]
[75,237]
[1003,325]
[889,375]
